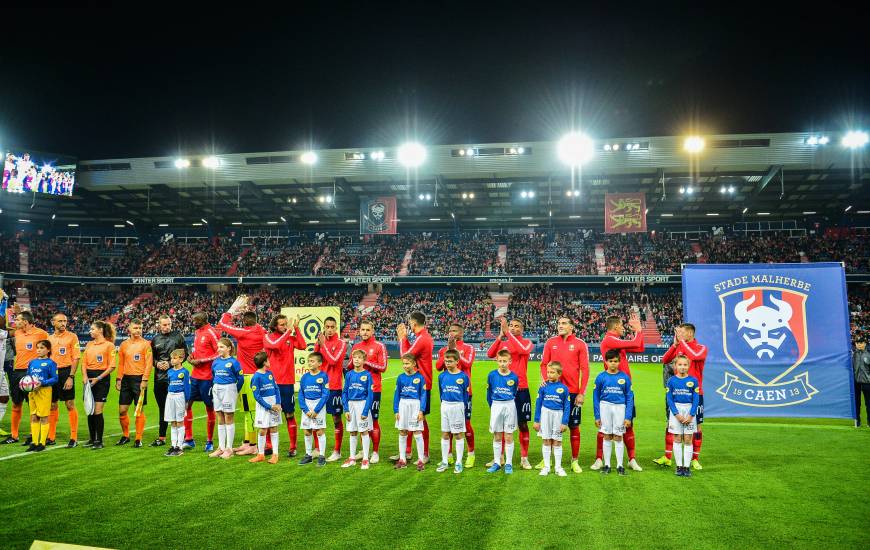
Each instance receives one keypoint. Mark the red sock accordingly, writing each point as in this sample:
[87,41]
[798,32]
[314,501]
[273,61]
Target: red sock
[339,432]
[575,442]
[52,424]
[125,425]
[629,442]
[503,443]
[696,445]
[524,440]
[376,436]
[599,446]
[669,444]
[316,443]
[425,438]
[209,411]
[188,423]
[292,431]
[269,443]
[451,441]
[469,436]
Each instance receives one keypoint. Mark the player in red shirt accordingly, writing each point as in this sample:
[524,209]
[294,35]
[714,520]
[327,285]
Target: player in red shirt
[685,344]
[511,339]
[280,344]
[613,340]
[466,361]
[376,363]
[249,342]
[573,354]
[421,349]
[333,350]
[205,341]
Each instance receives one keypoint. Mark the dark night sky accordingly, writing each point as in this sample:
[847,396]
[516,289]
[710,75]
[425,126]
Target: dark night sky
[112,83]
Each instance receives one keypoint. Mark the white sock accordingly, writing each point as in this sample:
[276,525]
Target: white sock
[321,442]
[445,450]
[606,445]
[177,436]
[403,447]
[620,448]
[418,439]
[687,453]
[231,435]
[509,453]
[557,456]
[309,444]
[222,437]
[274,436]
[546,450]
[352,447]
[496,451]
[261,443]
[3,406]
[366,441]
[678,453]
[460,447]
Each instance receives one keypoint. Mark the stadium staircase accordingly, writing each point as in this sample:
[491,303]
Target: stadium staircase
[699,254]
[651,334]
[406,261]
[22,295]
[320,260]
[502,255]
[600,260]
[500,300]
[367,304]
[235,267]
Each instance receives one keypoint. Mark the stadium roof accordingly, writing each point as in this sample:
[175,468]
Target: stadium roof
[765,177]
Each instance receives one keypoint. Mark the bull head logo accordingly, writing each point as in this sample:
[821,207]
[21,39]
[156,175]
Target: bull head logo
[763,328]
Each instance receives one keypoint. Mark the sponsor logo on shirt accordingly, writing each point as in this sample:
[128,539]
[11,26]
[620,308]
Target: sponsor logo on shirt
[571,347]
[560,390]
[460,381]
[510,382]
[270,377]
[180,375]
[416,381]
[228,365]
[363,378]
[621,381]
[253,388]
[320,380]
[690,384]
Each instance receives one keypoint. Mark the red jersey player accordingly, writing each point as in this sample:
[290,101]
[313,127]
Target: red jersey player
[333,350]
[466,361]
[421,349]
[685,344]
[511,339]
[280,344]
[205,340]
[376,364]
[613,340]
[573,354]
[249,342]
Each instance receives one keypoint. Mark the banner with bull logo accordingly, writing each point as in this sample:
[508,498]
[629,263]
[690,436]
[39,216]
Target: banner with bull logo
[377,216]
[778,338]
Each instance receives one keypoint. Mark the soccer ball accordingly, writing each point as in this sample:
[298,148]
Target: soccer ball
[28,383]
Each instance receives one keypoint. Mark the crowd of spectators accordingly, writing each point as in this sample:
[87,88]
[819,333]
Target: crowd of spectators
[81,304]
[8,254]
[639,253]
[380,255]
[107,259]
[177,259]
[291,259]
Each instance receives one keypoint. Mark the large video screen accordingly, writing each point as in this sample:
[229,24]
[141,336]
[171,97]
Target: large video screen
[34,172]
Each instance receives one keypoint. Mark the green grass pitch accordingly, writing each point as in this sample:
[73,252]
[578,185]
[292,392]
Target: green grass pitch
[779,483]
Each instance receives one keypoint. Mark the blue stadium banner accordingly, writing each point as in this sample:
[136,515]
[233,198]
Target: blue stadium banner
[777,337]
[378,216]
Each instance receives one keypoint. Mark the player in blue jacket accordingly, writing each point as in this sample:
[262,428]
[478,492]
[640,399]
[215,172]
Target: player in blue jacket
[612,399]
[268,415]
[313,395]
[453,387]
[357,398]
[552,409]
[176,400]
[409,402]
[44,370]
[227,381]
[683,397]
[501,390]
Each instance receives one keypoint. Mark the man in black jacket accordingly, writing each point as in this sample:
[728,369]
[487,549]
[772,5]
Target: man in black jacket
[861,366]
[164,343]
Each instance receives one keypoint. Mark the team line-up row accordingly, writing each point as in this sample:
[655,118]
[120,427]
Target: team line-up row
[261,378]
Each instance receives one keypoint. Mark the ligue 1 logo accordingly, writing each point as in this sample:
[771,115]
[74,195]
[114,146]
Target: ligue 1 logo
[764,335]
[137,357]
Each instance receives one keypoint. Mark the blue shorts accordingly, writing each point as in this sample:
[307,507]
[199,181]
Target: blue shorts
[523,401]
[428,402]
[576,413]
[468,409]
[288,397]
[376,405]
[333,402]
[200,390]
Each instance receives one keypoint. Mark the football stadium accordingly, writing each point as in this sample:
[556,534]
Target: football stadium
[598,337]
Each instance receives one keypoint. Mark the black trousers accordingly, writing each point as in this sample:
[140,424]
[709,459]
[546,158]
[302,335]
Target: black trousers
[862,389]
[161,390]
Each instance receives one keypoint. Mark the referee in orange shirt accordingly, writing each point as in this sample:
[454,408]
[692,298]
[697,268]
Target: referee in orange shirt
[135,361]
[65,352]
